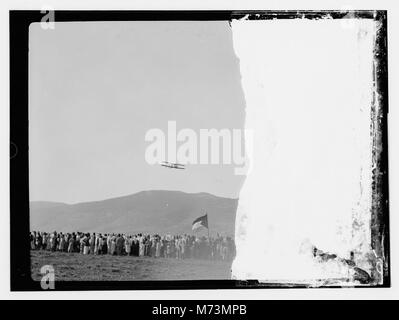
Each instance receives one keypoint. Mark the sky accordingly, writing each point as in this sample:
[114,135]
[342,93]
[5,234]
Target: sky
[96,88]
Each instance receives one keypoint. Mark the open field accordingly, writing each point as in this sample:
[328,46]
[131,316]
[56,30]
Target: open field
[78,267]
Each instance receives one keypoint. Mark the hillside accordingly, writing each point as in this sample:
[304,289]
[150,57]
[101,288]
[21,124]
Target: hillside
[147,211]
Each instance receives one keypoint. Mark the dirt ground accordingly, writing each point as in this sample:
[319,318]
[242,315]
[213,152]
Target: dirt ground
[78,267]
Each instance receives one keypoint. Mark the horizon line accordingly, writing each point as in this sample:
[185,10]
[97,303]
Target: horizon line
[131,194]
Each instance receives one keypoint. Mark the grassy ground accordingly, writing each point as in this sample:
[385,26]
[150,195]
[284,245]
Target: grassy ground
[78,267]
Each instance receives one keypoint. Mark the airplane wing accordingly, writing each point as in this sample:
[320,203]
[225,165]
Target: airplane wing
[179,167]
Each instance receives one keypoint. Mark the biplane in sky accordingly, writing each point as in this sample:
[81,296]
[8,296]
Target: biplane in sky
[172,165]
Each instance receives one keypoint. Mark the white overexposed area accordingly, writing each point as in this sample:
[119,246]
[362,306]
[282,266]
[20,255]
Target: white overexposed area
[308,88]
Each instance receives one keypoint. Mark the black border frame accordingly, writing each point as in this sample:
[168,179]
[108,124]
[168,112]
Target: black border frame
[19,22]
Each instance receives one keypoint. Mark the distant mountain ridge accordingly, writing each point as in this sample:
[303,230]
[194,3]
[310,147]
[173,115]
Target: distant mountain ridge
[156,211]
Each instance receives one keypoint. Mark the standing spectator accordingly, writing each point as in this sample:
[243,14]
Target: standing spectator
[128,245]
[86,244]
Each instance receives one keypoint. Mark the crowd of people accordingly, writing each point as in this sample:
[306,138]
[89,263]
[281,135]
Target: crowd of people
[178,246]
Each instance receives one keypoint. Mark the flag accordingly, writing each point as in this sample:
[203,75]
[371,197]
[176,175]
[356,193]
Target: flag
[200,222]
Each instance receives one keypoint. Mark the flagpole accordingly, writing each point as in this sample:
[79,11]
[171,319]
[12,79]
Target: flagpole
[208,226]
